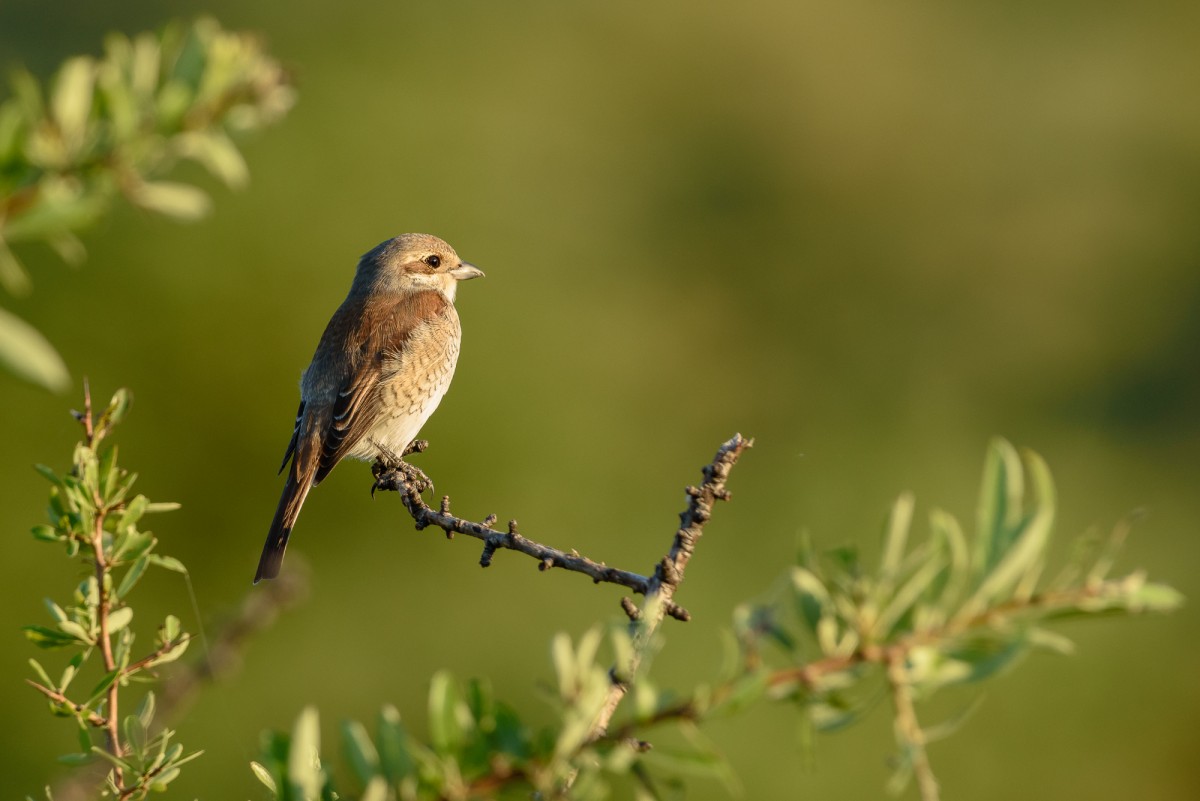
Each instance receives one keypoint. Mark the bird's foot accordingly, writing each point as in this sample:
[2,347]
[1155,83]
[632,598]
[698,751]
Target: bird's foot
[385,469]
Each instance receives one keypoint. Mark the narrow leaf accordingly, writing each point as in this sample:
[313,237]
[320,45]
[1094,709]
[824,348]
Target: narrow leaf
[27,354]
[177,200]
[264,776]
[304,771]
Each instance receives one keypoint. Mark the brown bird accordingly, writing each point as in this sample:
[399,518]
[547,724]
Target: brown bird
[382,366]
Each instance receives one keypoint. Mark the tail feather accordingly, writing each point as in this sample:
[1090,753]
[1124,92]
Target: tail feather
[290,502]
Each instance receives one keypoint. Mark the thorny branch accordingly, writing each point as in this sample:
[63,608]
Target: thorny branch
[669,573]
[409,482]
[658,588]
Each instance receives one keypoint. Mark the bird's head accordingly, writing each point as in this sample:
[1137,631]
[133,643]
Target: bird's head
[411,263]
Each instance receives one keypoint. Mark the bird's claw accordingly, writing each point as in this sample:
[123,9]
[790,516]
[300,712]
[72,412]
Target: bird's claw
[412,475]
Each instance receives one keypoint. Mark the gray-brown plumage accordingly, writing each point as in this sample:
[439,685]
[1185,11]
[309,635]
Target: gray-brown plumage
[382,366]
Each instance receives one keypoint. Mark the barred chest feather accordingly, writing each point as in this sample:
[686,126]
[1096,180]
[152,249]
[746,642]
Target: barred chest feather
[414,382]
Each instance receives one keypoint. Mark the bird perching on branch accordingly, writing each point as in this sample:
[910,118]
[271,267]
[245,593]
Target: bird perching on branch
[382,366]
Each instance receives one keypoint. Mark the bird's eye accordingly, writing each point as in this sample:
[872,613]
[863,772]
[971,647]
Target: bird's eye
[433,261]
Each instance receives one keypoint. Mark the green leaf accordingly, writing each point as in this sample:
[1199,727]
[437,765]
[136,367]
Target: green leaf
[132,576]
[13,276]
[1023,545]
[60,207]
[75,630]
[360,751]
[27,354]
[108,470]
[376,790]
[75,760]
[71,103]
[162,506]
[145,710]
[895,541]
[68,247]
[119,619]
[116,761]
[132,545]
[171,654]
[55,610]
[1155,598]
[177,200]
[948,536]
[999,512]
[135,736]
[49,638]
[115,412]
[264,776]
[167,562]
[304,764]
[392,739]
[908,594]
[42,674]
[160,782]
[564,664]
[48,474]
[216,153]
[446,712]
[102,686]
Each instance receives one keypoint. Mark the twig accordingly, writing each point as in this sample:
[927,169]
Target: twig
[670,571]
[54,695]
[908,729]
[658,588]
[409,488]
[112,732]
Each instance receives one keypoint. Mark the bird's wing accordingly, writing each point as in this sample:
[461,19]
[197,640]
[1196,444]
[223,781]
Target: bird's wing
[291,448]
[383,338]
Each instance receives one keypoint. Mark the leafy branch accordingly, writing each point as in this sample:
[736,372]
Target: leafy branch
[94,517]
[111,128]
[833,638]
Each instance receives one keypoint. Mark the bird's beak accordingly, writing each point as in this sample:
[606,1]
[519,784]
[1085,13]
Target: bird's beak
[465,272]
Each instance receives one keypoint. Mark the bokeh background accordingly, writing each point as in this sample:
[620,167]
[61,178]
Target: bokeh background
[870,235]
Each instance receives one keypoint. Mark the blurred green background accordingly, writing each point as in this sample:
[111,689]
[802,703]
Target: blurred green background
[870,235]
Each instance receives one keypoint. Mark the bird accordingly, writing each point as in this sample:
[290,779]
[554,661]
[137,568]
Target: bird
[381,368]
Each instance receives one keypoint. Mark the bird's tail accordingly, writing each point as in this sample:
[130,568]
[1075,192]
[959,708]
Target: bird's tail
[290,502]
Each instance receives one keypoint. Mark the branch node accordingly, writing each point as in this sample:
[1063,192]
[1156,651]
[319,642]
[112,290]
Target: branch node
[678,612]
[668,572]
[692,491]
[546,564]
[630,609]
[489,521]
[445,504]
[489,550]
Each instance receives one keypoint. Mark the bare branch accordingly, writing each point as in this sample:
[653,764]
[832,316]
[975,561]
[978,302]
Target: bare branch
[397,480]
[666,579]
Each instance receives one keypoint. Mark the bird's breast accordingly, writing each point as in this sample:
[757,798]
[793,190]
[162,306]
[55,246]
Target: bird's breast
[413,383]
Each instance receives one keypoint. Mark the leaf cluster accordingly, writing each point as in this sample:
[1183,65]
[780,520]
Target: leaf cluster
[112,127]
[834,638]
[94,517]
[838,636]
